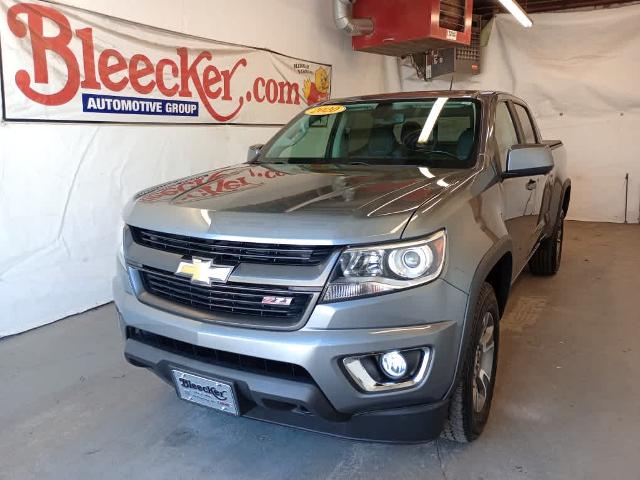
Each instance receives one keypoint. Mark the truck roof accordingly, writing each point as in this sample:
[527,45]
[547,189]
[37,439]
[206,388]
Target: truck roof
[417,95]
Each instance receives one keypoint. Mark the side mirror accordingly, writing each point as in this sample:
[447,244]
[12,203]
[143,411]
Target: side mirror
[254,152]
[528,160]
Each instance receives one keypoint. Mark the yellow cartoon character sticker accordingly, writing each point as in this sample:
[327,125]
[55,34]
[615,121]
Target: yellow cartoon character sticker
[325,110]
[318,90]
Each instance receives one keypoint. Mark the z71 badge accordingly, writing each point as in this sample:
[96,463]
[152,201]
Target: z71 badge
[277,300]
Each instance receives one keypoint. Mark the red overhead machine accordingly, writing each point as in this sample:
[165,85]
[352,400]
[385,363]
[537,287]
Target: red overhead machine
[401,27]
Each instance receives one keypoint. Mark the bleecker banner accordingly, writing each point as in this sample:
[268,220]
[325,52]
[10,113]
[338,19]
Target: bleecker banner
[61,63]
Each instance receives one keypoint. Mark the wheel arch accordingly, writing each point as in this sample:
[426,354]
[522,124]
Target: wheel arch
[499,277]
[496,267]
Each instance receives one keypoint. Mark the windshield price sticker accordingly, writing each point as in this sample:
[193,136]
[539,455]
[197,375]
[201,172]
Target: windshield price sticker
[325,110]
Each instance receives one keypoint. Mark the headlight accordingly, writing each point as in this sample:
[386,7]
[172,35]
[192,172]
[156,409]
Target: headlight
[363,271]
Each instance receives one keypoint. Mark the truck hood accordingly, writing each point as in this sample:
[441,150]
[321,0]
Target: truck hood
[326,204]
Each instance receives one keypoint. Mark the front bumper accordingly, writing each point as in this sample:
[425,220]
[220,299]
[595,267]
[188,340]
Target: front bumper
[430,315]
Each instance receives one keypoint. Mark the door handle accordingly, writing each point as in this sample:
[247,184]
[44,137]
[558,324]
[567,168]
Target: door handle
[531,185]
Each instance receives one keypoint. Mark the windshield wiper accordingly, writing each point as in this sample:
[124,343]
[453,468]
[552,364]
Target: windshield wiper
[442,153]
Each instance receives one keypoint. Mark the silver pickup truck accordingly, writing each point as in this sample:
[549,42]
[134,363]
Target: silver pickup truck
[350,277]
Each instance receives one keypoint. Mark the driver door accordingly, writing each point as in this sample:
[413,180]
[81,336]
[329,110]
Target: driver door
[519,194]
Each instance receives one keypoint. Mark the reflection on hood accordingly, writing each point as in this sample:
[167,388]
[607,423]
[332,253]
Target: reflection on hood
[272,188]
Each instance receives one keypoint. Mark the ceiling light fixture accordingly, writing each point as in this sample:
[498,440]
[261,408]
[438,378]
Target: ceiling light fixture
[517,11]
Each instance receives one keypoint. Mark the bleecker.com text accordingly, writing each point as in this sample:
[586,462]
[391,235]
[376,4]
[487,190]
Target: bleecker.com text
[112,72]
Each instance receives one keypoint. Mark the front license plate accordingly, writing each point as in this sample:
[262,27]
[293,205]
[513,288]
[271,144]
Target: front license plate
[207,392]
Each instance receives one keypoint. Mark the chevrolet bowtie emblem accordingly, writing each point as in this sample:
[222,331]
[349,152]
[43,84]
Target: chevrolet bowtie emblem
[202,272]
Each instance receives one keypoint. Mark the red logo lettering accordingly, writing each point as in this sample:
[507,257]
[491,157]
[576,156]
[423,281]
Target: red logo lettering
[39,46]
[112,71]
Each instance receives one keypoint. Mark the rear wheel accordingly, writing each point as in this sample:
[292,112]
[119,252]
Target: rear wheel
[471,400]
[546,260]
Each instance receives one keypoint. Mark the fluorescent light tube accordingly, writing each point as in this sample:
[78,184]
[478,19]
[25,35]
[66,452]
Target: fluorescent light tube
[426,172]
[431,119]
[517,11]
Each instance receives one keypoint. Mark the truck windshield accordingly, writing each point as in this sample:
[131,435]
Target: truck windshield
[437,132]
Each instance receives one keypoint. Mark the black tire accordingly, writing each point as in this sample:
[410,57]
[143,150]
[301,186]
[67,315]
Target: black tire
[546,260]
[467,418]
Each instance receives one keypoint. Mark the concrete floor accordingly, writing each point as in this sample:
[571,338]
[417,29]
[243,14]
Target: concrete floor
[567,404]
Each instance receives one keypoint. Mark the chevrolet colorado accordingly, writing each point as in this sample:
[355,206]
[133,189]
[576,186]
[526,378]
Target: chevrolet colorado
[350,276]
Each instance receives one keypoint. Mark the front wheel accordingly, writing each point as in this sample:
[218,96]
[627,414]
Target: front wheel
[471,400]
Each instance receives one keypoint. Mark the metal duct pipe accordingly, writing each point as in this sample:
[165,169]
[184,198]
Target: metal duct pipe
[344,20]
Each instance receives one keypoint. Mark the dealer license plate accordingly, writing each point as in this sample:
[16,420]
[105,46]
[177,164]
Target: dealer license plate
[205,391]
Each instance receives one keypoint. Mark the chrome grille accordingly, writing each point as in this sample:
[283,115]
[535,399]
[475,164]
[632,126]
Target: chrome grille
[235,299]
[232,253]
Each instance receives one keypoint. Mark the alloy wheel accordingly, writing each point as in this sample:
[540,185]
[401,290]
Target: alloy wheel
[484,359]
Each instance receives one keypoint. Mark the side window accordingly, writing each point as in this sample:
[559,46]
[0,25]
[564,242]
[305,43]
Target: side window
[505,132]
[525,121]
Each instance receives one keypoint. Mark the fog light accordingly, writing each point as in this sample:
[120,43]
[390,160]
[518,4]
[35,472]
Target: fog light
[393,364]
[394,370]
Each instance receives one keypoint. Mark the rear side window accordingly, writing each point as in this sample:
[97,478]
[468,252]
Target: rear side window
[505,133]
[527,126]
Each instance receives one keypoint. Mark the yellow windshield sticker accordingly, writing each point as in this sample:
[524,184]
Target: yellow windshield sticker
[325,110]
